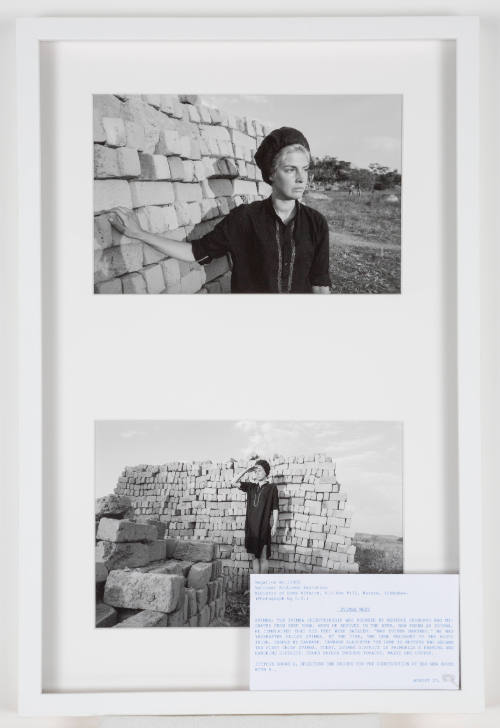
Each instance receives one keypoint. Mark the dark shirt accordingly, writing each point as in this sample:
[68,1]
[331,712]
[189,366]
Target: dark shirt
[261,500]
[269,256]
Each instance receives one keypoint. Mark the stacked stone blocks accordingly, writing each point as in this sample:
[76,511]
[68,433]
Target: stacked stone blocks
[146,580]
[196,501]
[181,166]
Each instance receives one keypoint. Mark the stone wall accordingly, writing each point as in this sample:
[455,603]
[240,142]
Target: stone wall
[195,501]
[146,580]
[182,166]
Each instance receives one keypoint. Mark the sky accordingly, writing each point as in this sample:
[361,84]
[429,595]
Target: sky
[368,455]
[356,128]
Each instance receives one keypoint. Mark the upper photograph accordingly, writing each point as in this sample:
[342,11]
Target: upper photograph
[247,194]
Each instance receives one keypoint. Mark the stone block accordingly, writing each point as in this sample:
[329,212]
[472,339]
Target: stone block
[176,619]
[189,99]
[137,590]
[263,189]
[101,573]
[169,143]
[192,604]
[169,103]
[105,616]
[105,162]
[102,232]
[204,617]
[157,550]
[208,209]
[151,193]
[112,286]
[110,193]
[199,170]
[193,282]
[152,256]
[187,191]
[194,550]
[199,575]
[215,133]
[116,261]
[135,136]
[171,546]
[128,162]
[134,283]
[120,555]
[114,129]
[171,272]
[188,167]
[104,105]
[176,167]
[153,275]
[154,167]
[112,506]
[145,618]
[112,529]
[194,211]
[221,187]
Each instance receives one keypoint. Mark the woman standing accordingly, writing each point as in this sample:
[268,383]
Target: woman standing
[277,245]
[262,504]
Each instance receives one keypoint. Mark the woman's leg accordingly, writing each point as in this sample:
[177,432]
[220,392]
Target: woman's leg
[264,563]
[256,565]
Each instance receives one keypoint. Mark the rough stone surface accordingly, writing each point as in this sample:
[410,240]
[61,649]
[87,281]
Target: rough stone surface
[111,529]
[204,617]
[199,575]
[113,506]
[137,590]
[120,555]
[105,616]
[194,550]
[145,618]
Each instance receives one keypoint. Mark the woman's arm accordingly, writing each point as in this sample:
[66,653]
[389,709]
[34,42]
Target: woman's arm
[237,478]
[124,220]
[274,524]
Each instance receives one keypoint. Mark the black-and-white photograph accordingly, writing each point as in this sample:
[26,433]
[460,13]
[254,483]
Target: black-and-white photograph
[247,194]
[187,510]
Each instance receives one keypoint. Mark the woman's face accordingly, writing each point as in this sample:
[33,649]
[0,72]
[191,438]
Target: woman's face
[290,178]
[260,473]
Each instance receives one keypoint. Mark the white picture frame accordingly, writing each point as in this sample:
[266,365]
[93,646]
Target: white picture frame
[463,31]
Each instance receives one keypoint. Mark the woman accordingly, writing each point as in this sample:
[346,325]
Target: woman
[262,502]
[277,245]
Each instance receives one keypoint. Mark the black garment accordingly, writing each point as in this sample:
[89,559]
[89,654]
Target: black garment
[261,500]
[251,234]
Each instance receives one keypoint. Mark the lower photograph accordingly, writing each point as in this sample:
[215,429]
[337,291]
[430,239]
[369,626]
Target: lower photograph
[186,510]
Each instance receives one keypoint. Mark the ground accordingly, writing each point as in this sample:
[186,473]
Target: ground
[374,554]
[365,239]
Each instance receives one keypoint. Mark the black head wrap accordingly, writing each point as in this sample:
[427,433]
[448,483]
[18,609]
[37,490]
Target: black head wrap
[264,464]
[271,145]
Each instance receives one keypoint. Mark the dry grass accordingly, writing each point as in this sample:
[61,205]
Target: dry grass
[378,554]
[365,241]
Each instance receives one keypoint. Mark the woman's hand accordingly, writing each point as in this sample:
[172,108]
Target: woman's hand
[273,530]
[125,221]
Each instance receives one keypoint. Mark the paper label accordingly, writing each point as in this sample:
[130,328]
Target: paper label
[341,632]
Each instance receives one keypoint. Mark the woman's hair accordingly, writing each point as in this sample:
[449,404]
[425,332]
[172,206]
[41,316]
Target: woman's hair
[284,151]
[264,464]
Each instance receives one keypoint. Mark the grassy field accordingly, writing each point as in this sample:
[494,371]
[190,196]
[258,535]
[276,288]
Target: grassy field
[365,240]
[378,554]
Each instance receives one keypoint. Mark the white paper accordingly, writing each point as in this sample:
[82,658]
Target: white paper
[329,631]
